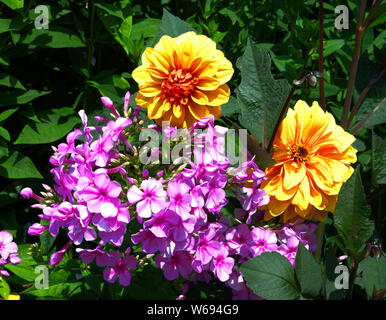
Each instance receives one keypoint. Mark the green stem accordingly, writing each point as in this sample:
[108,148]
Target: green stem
[354,65]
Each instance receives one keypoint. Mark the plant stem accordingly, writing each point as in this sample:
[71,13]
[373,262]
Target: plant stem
[366,23]
[353,274]
[363,122]
[283,111]
[371,83]
[321,33]
[354,65]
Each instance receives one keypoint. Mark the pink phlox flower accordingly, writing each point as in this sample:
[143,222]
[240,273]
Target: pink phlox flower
[100,150]
[179,199]
[57,257]
[304,232]
[263,241]
[254,198]
[64,183]
[60,216]
[119,268]
[88,255]
[239,240]
[151,200]
[222,265]
[150,242]
[289,249]
[114,129]
[178,263]
[206,246]
[86,129]
[7,246]
[80,229]
[103,196]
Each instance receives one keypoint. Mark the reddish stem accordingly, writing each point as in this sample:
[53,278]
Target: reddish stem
[354,65]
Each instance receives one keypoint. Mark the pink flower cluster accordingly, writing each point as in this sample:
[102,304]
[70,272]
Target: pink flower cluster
[100,185]
[8,251]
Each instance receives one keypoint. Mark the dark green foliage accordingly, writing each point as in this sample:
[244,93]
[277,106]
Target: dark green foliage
[90,50]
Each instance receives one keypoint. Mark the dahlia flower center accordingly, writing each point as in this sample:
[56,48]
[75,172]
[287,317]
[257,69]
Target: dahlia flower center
[179,85]
[299,153]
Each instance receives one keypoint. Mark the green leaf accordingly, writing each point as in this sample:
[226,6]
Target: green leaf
[7,113]
[116,23]
[5,134]
[12,97]
[24,270]
[373,274]
[147,29]
[5,25]
[4,289]
[54,37]
[331,46]
[308,272]
[231,107]
[352,214]
[172,26]
[260,96]
[14,4]
[18,166]
[10,81]
[3,148]
[46,239]
[54,124]
[271,276]
[378,159]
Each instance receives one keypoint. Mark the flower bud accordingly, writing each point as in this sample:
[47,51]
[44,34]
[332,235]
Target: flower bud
[27,193]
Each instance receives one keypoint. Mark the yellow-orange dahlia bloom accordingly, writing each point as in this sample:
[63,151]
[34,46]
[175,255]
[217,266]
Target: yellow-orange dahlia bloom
[183,79]
[313,156]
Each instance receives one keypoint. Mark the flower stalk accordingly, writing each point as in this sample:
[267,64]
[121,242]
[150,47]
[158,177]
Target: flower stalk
[354,65]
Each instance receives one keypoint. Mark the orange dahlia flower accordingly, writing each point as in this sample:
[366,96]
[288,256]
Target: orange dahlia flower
[183,79]
[313,156]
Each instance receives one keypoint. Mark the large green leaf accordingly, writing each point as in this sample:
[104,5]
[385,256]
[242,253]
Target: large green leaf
[10,81]
[116,23]
[352,214]
[4,289]
[7,113]
[18,166]
[14,4]
[271,276]
[332,45]
[172,26]
[3,148]
[260,96]
[146,28]
[54,37]
[308,272]
[12,97]
[54,124]
[373,274]
[231,107]
[378,159]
